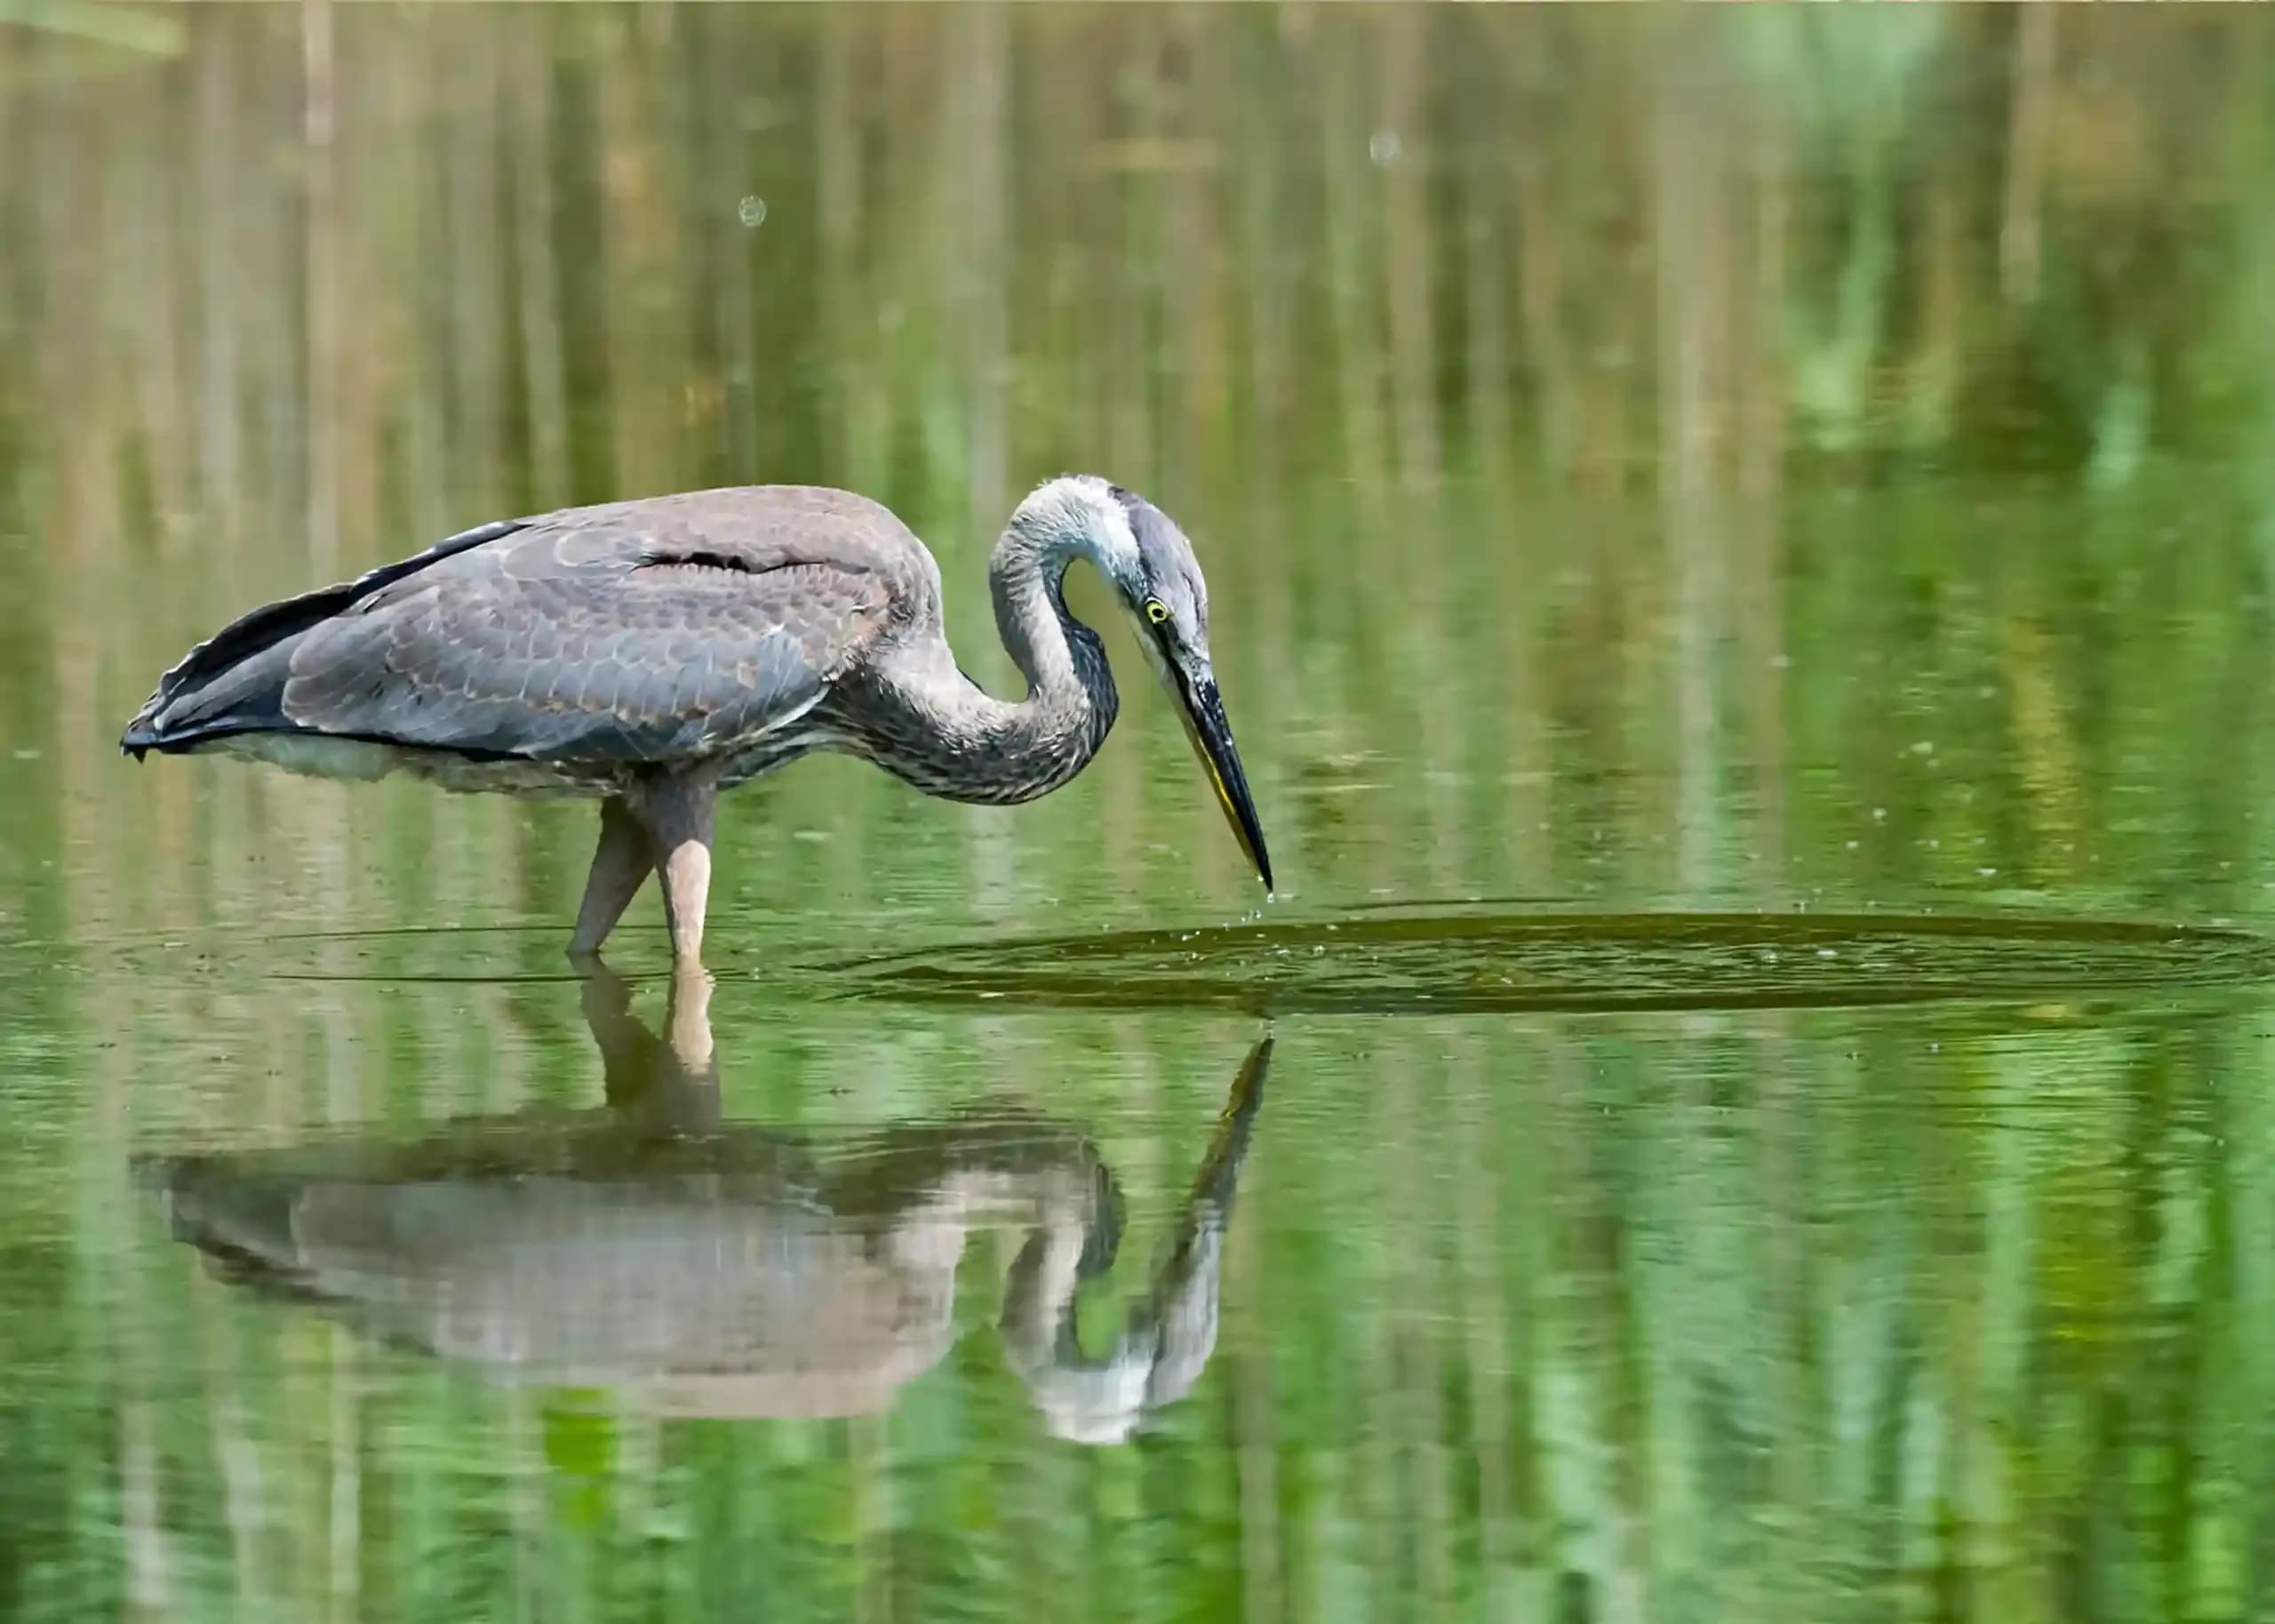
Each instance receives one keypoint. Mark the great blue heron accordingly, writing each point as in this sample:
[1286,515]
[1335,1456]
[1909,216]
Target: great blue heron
[651,653]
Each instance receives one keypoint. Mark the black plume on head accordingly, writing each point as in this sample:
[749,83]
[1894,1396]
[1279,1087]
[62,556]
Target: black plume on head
[1162,548]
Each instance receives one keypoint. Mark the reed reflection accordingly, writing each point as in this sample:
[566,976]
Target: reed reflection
[718,1268]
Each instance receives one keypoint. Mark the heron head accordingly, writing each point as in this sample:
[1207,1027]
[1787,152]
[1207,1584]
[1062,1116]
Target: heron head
[1159,581]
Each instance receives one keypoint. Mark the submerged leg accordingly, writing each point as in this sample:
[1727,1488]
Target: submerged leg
[677,812]
[620,864]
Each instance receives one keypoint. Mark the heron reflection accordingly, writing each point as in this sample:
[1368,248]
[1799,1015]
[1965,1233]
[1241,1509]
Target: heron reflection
[722,1268]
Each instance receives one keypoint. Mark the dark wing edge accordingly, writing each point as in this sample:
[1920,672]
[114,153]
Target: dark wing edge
[262,629]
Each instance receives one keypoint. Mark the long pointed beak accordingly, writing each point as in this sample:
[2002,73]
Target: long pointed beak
[1203,714]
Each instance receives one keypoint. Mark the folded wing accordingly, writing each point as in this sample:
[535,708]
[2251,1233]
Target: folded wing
[644,631]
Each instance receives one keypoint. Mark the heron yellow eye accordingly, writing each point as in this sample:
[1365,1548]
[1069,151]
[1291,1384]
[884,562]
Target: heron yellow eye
[1156,610]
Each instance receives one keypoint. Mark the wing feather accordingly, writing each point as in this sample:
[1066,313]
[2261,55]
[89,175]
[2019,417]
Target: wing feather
[640,632]
[625,671]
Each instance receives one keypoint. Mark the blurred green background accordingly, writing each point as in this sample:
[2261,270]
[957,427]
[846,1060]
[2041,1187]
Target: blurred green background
[1784,459]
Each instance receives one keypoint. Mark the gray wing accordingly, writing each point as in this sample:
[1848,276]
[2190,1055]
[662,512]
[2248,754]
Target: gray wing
[649,631]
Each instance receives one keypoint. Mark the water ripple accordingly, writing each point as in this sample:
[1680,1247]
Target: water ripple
[1466,962]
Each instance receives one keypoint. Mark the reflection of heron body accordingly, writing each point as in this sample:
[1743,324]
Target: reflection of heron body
[651,653]
[722,1268]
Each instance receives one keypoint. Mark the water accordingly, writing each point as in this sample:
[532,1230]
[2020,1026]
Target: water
[1739,551]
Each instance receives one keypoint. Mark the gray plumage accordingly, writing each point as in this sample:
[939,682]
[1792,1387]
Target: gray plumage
[653,652]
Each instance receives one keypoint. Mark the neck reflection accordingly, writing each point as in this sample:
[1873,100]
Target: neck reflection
[723,1267]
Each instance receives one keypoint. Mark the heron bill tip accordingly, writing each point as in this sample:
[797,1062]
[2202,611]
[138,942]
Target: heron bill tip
[1205,724]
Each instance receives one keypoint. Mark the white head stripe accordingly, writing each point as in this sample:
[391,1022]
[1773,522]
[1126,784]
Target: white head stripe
[1078,512]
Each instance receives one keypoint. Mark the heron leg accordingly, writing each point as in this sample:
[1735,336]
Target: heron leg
[678,814]
[621,865]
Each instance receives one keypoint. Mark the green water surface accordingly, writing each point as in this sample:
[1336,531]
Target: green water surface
[1739,552]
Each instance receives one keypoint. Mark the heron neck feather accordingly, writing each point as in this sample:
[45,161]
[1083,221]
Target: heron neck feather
[1071,699]
[1026,577]
[996,751]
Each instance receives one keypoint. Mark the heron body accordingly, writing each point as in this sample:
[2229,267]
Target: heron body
[651,653]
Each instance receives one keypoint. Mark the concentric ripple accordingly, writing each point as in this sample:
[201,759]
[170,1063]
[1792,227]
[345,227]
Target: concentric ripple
[1460,962]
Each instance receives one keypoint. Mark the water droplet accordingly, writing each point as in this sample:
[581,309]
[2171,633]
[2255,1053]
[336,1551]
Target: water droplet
[752,212]
[1384,147]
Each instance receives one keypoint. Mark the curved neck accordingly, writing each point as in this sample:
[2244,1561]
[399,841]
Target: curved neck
[1001,753]
[1062,659]
[1052,733]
